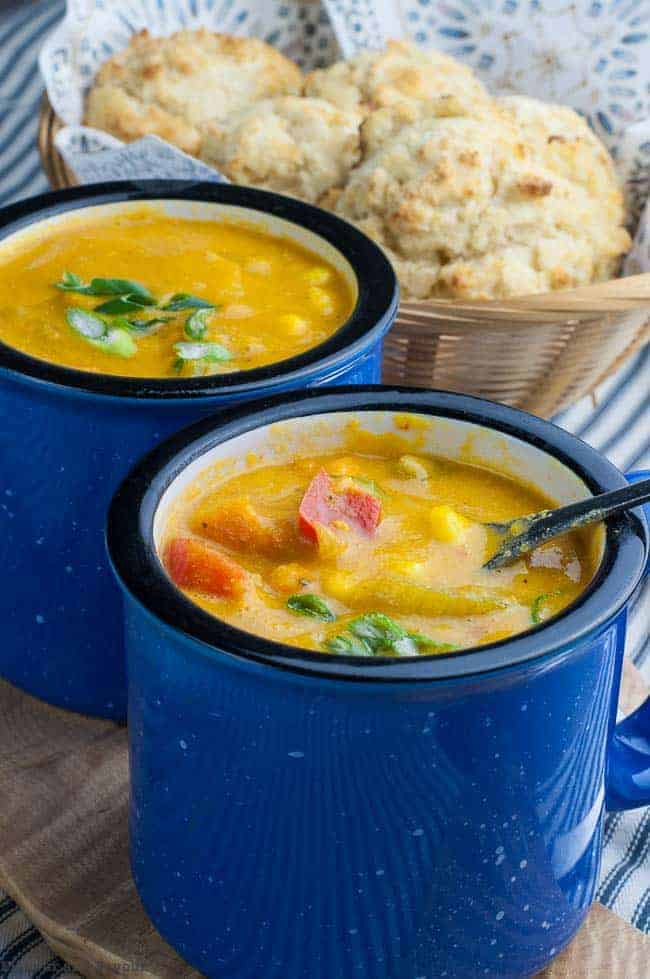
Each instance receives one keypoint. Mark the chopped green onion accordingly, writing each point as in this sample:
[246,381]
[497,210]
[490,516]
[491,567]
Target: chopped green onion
[121,287]
[118,342]
[375,634]
[537,607]
[71,282]
[196,324]
[142,327]
[311,605]
[377,629]
[349,646]
[122,304]
[183,300]
[86,324]
[112,340]
[427,645]
[202,351]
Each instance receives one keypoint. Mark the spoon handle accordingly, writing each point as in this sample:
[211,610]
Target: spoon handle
[552,523]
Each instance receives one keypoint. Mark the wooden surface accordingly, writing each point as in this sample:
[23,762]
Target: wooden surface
[63,852]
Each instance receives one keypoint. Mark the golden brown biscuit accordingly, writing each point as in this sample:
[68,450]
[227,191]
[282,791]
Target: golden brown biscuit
[564,142]
[172,85]
[402,72]
[473,208]
[292,145]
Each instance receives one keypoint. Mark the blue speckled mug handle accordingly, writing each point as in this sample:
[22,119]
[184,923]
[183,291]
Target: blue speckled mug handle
[628,773]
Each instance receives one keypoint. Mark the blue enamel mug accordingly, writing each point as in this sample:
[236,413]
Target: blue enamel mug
[68,437]
[298,815]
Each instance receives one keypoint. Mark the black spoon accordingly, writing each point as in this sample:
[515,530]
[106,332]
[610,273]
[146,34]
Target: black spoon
[523,534]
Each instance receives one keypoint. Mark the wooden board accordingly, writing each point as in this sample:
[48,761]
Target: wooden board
[63,852]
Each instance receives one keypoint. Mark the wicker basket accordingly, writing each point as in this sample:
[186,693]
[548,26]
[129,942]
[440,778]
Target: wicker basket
[540,353]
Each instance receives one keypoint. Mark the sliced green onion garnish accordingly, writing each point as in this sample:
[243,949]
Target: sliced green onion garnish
[202,351]
[88,325]
[537,608]
[349,646]
[112,340]
[196,324]
[376,634]
[121,287]
[183,300]
[142,327]
[118,342]
[71,282]
[121,305]
[312,605]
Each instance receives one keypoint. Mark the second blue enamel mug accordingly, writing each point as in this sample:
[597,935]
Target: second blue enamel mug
[67,437]
[304,815]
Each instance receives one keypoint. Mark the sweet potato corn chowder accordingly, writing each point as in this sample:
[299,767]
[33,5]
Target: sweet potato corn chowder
[147,294]
[368,551]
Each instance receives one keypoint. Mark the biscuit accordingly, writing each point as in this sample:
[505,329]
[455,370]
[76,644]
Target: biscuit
[402,72]
[472,208]
[171,86]
[298,146]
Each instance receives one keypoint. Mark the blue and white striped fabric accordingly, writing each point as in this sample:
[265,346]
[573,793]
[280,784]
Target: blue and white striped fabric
[617,423]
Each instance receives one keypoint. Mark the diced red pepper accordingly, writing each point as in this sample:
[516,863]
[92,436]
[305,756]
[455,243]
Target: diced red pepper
[191,564]
[322,505]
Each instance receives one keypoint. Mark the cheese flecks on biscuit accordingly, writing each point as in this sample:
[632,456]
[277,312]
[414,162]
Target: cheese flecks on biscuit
[480,209]
[402,72]
[298,146]
[171,86]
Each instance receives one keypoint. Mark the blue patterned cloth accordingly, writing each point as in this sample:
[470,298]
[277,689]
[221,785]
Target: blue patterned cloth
[617,423]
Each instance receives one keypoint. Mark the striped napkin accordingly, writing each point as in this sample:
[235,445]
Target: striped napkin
[616,421]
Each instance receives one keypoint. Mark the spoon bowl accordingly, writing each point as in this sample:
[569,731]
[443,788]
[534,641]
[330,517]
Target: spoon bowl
[524,534]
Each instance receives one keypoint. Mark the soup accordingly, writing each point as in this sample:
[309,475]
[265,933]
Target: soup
[368,551]
[144,293]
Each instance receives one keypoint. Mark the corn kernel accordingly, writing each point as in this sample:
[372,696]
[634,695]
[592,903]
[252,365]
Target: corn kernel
[321,299]
[447,525]
[318,275]
[289,578]
[338,584]
[294,325]
[411,468]
[330,544]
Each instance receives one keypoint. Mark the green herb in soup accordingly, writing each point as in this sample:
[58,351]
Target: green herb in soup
[311,605]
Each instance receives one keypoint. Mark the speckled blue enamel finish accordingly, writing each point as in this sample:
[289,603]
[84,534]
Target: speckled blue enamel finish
[62,454]
[64,449]
[441,819]
[293,828]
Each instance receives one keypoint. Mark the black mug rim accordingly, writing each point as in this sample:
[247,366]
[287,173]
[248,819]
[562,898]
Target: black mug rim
[377,299]
[140,572]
